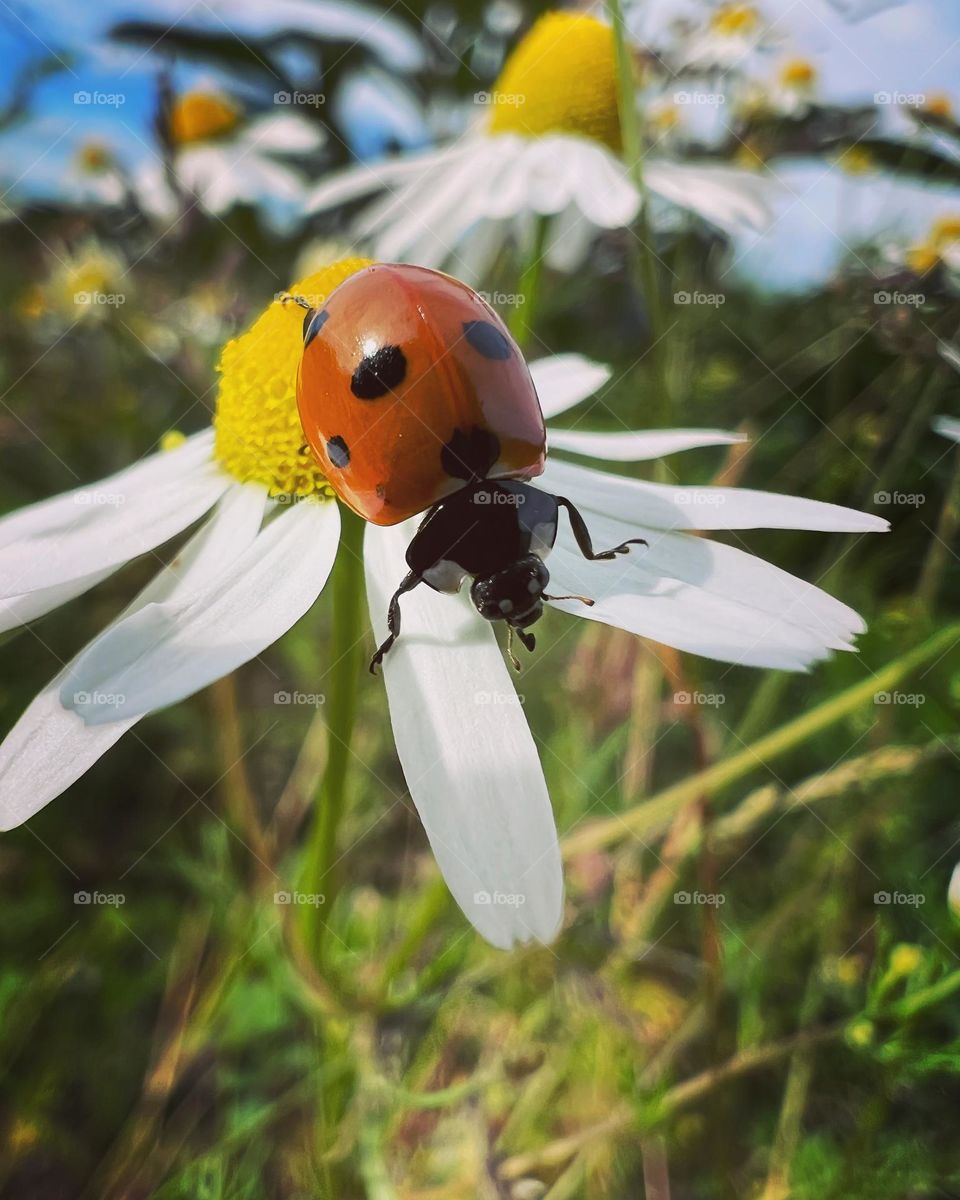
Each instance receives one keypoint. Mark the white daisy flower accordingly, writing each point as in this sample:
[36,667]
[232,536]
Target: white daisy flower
[222,161]
[547,145]
[735,37]
[256,565]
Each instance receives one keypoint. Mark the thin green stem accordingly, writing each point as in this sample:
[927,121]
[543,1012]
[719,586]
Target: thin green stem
[524,311]
[655,813]
[641,252]
[319,871]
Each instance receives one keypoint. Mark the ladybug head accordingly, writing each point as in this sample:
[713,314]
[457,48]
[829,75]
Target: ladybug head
[513,594]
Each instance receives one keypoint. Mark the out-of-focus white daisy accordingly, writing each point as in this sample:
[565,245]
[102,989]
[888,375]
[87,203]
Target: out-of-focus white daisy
[256,565]
[793,88]
[86,283]
[222,160]
[548,144]
[733,38]
[925,121]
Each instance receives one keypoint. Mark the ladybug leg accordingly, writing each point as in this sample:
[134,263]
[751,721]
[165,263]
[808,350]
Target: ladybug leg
[585,542]
[407,584]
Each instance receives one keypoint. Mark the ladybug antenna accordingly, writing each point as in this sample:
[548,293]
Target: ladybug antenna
[583,599]
[290,298]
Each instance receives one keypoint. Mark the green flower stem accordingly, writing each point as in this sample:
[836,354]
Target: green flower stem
[645,819]
[348,650]
[641,252]
[524,313]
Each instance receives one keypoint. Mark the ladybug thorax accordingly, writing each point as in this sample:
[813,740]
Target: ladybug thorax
[560,78]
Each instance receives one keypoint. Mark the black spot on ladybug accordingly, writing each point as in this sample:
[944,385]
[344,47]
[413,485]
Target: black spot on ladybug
[470,453]
[379,373]
[313,322]
[338,452]
[486,339]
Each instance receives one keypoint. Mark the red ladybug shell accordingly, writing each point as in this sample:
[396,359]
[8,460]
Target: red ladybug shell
[409,387]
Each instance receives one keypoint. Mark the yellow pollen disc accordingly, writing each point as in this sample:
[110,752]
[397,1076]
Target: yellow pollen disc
[938,105]
[94,158]
[856,160]
[172,439]
[946,232]
[560,78]
[732,20]
[258,437]
[921,259]
[201,117]
[798,73]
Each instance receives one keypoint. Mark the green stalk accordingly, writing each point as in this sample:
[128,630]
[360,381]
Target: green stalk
[641,254]
[523,315]
[319,870]
[645,819]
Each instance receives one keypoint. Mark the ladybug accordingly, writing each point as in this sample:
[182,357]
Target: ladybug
[414,398]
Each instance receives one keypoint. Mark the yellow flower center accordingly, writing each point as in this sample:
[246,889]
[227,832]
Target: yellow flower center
[735,20]
[94,158]
[560,78]
[921,259]
[946,232]
[856,160]
[258,437]
[201,117]
[799,74]
[938,104]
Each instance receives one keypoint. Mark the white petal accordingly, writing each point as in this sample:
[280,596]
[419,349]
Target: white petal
[50,747]
[169,650]
[351,183]
[605,193]
[730,198]
[104,525]
[948,427]
[19,610]
[284,133]
[467,754]
[662,506]
[563,380]
[569,239]
[702,597]
[550,174]
[631,446]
